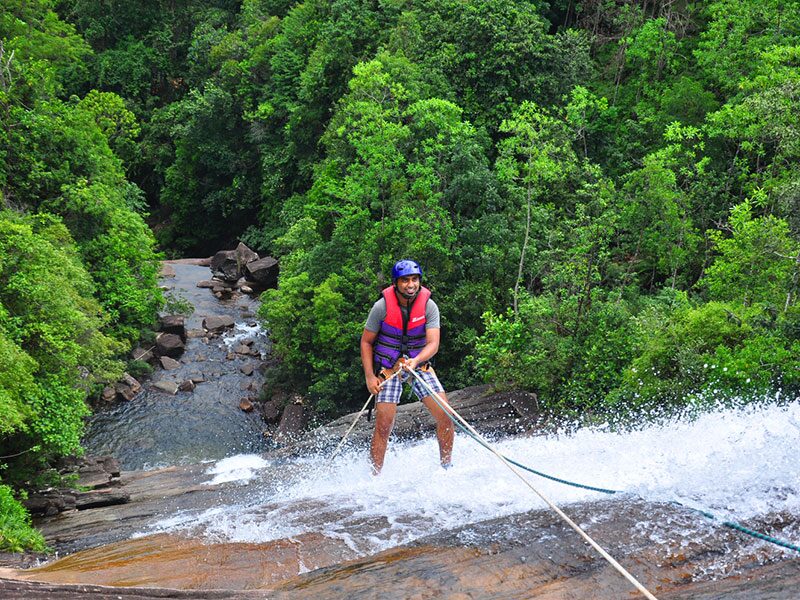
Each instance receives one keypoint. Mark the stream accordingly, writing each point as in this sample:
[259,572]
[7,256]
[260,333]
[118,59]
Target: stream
[157,430]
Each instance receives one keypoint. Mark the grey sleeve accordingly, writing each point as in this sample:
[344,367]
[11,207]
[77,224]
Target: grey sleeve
[432,315]
[377,314]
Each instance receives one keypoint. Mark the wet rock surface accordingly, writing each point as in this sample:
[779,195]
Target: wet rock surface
[529,555]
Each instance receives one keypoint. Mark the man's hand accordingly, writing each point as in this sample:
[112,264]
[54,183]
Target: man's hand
[410,364]
[374,384]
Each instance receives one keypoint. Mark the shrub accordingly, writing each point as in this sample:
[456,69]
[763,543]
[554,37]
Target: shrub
[16,532]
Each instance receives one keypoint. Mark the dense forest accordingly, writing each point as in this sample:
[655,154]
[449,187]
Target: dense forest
[603,195]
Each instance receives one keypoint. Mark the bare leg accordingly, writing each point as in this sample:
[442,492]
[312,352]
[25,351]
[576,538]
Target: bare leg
[444,428]
[384,421]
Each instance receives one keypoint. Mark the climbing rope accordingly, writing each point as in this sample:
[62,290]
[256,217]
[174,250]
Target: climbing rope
[729,524]
[454,415]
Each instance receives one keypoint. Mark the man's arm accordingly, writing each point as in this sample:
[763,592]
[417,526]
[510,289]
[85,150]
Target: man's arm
[367,342]
[428,351]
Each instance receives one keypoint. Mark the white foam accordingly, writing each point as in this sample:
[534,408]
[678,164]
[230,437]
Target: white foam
[241,467]
[242,332]
[737,463]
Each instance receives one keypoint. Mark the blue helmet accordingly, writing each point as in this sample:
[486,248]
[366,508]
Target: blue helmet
[406,267]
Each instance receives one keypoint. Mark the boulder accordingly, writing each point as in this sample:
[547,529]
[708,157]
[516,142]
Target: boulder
[169,387]
[174,324]
[247,369]
[205,284]
[293,423]
[225,265]
[228,265]
[169,364]
[187,386]
[169,344]
[108,394]
[264,271]
[135,386]
[270,411]
[245,254]
[217,323]
[140,353]
[124,392]
[246,405]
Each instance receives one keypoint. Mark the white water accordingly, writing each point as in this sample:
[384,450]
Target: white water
[738,464]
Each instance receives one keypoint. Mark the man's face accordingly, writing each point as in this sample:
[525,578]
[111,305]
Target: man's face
[408,285]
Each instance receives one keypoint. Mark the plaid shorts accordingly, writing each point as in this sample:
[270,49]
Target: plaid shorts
[393,389]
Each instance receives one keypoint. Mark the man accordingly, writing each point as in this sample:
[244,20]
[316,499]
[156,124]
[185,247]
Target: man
[402,332]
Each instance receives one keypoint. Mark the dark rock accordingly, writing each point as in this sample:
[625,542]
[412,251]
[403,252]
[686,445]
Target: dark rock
[270,411]
[264,271]
[174,324]
[229,264]
[217,323]
[293,422]
[245,254]
[49,502]
[225,265]
[187,386]
[124,392]
[170,364]
[97,498]
[169,344]
[489,411]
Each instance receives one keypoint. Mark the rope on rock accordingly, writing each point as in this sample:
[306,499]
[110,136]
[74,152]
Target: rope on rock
[454,415]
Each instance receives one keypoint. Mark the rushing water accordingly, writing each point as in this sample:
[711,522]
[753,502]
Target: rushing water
[739,464]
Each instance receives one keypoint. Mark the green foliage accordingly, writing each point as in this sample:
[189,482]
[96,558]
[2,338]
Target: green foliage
[711,351]
[77,262]
[758,264]
[16,532]
[118,249]
[138,368]
[566,173]
[50,316]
